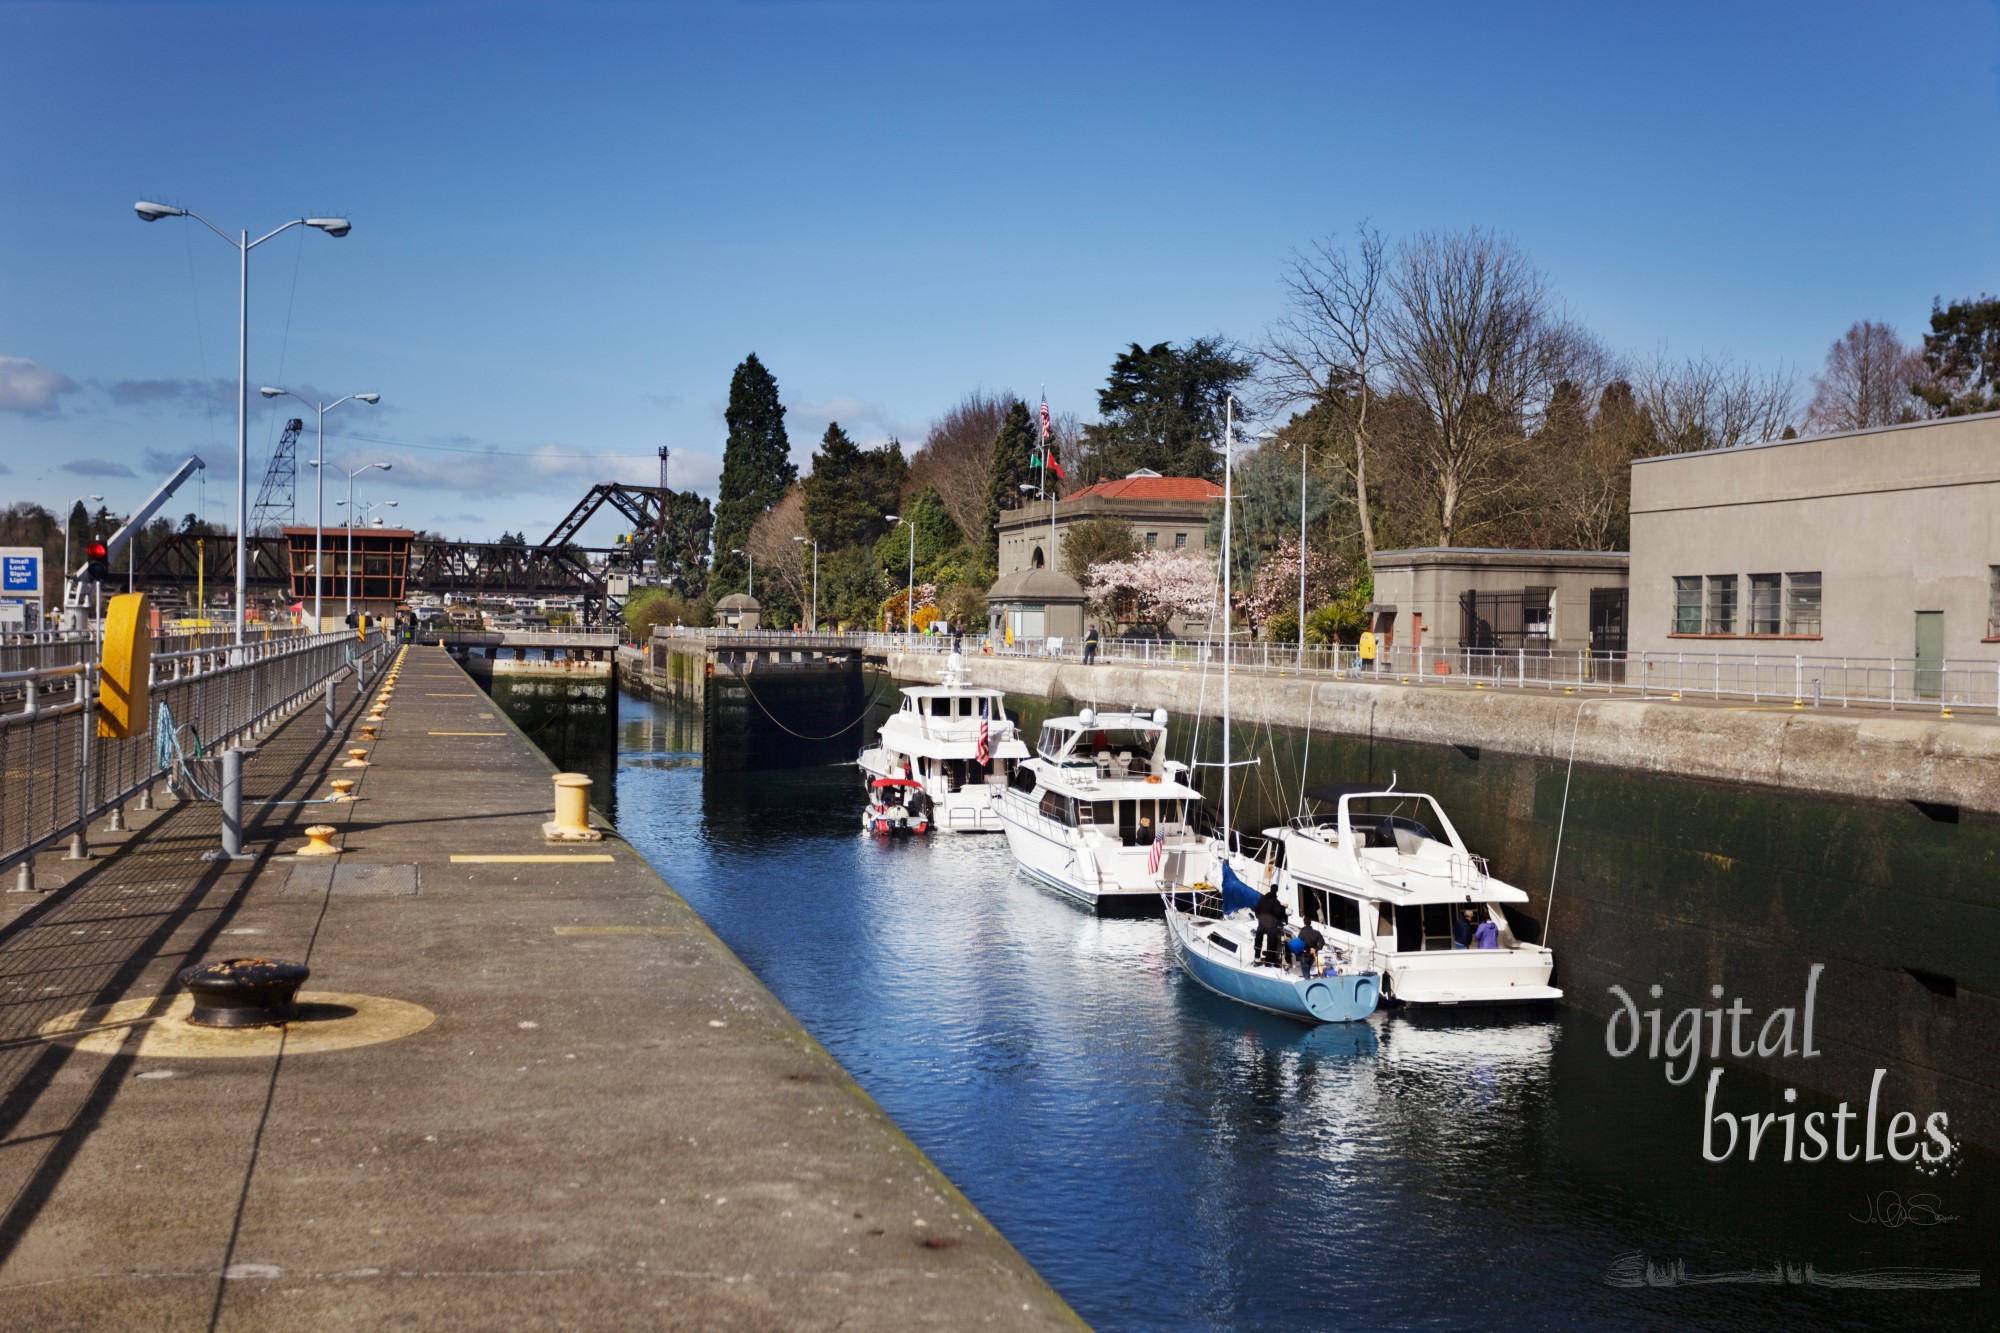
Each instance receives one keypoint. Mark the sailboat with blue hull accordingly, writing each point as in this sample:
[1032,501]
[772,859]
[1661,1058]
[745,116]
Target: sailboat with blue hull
[1213,935]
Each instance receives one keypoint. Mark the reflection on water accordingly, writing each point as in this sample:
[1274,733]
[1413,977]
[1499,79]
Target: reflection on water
[1168,1159]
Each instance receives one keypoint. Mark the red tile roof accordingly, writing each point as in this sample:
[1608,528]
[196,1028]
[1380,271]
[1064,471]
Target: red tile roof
[1151,488]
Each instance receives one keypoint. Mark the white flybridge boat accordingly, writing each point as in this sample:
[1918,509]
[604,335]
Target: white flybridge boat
[1101,815]
[957,743]
[1212,929]
[1391,882]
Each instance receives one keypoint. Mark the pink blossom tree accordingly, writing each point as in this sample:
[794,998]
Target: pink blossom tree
[1275,588]
[1157,585]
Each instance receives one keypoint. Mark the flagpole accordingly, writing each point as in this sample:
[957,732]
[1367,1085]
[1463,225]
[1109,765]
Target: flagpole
[1048,491]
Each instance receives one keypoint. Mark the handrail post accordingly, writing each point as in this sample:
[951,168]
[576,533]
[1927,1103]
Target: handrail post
[79,841]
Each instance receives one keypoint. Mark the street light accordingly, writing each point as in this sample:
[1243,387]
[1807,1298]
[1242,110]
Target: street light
[151,212]
[815,607]
[66,527]
[1286,444]
[910,598]
[319,477]
[350,527]
[752,558]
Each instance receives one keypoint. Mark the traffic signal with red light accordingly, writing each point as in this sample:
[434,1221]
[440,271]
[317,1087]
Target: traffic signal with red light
[95,568]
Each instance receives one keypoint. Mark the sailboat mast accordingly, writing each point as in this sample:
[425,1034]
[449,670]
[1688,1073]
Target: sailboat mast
[1228,507]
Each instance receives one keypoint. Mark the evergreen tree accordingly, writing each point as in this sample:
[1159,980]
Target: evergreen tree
[757,467]
[1962,358]
[1013,464]
[1163,409]
[851,490]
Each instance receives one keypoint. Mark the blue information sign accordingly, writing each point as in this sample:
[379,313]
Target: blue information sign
[21,572]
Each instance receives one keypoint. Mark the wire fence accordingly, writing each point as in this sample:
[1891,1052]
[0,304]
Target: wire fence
[57,774]
[1815,682]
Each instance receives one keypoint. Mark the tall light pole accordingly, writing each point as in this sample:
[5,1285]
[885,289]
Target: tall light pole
[350,527]
[1272,435]
[319,478]
[815,607]
[67,525]
[151,212]
[910,598]
[752,558]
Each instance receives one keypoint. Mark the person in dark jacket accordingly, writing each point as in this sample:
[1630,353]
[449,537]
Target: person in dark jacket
[1090,646]
[1270,936]
[1309,942]
[1462,930]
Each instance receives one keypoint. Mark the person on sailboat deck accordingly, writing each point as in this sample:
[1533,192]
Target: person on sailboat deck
[1462,930]
[1270,935]
[1307,944]
[1487,936]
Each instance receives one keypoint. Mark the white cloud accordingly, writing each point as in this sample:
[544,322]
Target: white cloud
[96,467]
[866,423]
[29,387]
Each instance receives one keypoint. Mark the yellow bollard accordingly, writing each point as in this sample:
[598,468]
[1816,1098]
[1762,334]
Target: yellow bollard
[1945,711]
[319,842]
[343,790]
[572,821]
[370,731]
[357,759]
[1798,703]
[1675,696]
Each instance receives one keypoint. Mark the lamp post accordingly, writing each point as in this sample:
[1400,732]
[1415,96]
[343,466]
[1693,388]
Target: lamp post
[910,598]
[349,502]
[151,212]
[319,478]
[1272,435]
[815,606]
[66,527]
[751,557]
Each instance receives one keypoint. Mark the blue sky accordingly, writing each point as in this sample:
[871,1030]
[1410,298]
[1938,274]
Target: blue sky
[572,221]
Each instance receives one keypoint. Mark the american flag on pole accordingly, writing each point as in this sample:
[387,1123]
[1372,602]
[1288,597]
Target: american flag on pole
[1153,857]
[983,754]
[1045,418]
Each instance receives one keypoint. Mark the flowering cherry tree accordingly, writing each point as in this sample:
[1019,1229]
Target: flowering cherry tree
[1159,585]
[1275,587]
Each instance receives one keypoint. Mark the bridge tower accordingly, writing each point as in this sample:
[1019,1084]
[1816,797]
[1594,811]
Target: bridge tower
[277,498]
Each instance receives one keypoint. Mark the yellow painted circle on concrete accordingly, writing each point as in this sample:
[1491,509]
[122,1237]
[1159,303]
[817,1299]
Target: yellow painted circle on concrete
[327,1021]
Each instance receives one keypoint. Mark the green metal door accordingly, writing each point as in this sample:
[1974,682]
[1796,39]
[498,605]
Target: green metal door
[1930,654]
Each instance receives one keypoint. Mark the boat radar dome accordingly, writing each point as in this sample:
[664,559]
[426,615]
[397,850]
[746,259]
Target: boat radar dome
[1160,716]
[1088,717]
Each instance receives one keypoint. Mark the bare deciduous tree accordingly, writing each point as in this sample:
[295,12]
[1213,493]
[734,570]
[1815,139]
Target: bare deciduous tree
[781,560]
[1471,339]
[1708,403]
[1866,382]
[1325,349]
[957,454]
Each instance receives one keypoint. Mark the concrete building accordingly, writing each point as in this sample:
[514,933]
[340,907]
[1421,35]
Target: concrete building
[738,611]
[1879,544]
[1463,597]
[1166,514]
[1030,605]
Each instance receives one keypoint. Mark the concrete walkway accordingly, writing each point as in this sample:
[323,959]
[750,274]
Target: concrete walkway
[574,1107]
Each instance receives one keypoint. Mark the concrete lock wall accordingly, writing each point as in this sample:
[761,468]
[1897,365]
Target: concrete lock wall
[1896,521]
[1700,846]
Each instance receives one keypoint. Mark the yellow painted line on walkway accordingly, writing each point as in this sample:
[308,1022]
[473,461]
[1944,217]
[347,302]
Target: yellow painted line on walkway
[465,733]
[470,694]
[624,930]
[532,859]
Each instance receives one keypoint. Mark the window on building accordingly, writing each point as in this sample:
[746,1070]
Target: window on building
[1180,540]
[1152,540]
[1721,617]
[1536,614]
[1687,604]
[1036,558]
[1764,597]
[1993,603]
[1802,603]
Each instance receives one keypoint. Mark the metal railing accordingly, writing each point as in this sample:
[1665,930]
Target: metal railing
[1891,682]
[57,775]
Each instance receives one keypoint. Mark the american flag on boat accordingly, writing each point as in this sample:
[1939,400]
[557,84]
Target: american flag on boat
[982,754]
[1153,857]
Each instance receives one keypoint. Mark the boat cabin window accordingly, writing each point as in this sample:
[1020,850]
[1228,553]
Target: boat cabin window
[1423,927]
[1336,911]
[1380,830]
[1023,779]
[1058,807]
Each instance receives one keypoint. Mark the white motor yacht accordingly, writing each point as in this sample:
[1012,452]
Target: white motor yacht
[1385,874]
[956,742]
[1101,815]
